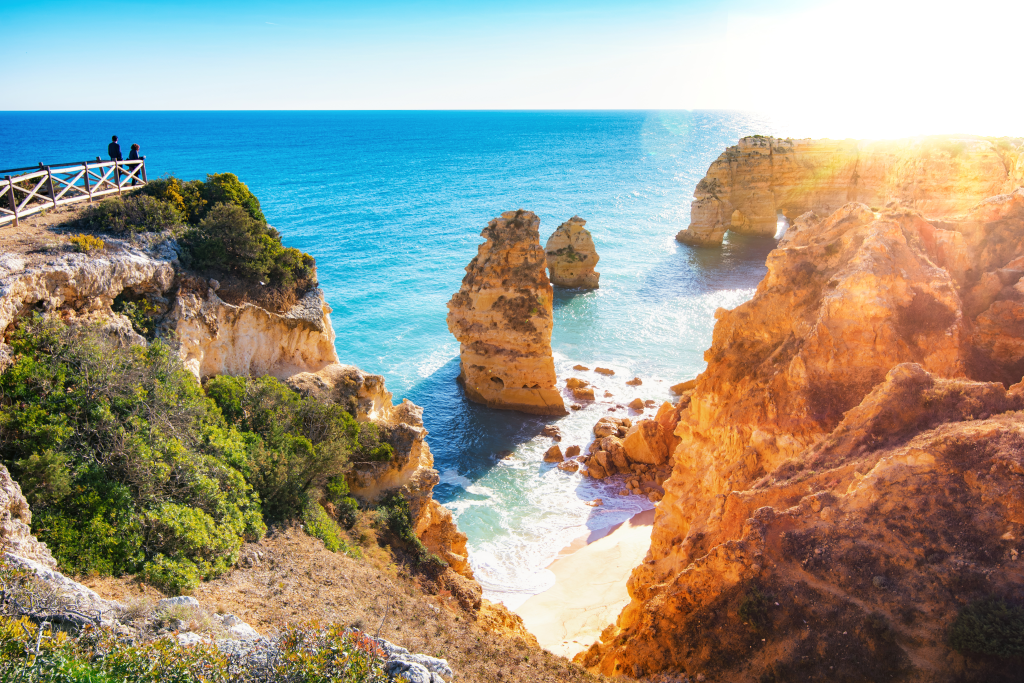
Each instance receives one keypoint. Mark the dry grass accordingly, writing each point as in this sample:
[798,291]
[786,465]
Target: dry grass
[297,580]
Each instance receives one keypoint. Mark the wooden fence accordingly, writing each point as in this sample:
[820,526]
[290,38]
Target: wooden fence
[26,191]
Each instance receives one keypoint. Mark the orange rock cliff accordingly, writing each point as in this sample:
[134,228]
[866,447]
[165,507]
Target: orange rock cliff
[502,316]
[751,183]
[850,466]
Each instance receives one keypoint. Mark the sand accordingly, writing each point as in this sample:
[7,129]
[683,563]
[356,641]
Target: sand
[590,587]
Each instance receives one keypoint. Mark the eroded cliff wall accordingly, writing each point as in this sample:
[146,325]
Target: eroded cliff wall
[502,317]
[850,470]
[753,182]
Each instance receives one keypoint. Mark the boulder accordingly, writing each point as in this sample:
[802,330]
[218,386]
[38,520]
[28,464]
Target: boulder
[569,466]
[571,256]
[552,431]
[572,451]
[635,382]
[553,454]
[584,393]
[688,385]
[576,383]
[604,371]
[637,404]
[647,443]
[582,368]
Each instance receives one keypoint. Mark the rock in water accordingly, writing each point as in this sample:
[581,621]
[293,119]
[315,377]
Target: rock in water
[502,318]
[572,255]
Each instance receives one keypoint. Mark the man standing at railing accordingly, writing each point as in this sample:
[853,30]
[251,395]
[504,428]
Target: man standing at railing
[114,149]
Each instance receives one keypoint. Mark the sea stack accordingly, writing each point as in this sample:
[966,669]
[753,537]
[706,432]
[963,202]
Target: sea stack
[571,255]
[502,318]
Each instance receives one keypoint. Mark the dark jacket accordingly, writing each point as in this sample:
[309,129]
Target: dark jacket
[114,150]
[133,155]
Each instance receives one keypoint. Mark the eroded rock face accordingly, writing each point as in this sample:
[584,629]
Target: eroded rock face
[851,451]
[572,256]
[218,338]
[16,524]
[502,319]
[752,182]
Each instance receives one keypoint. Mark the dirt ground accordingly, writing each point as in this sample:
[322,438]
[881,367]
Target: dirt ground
[297,580]
[40,233]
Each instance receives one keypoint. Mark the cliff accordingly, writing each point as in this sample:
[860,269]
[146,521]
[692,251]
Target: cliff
[213,337]
[572,256]
[849,471]
[502,317]
[753,182]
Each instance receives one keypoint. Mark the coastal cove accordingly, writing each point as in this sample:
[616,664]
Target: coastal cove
[391,204]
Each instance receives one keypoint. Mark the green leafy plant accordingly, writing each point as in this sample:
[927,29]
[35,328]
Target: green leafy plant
[141,314]
[127,465]
[130,214]
[990,627]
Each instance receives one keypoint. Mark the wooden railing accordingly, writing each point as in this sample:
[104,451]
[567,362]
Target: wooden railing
[26,191]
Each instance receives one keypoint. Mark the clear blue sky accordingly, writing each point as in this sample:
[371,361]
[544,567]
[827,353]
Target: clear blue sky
[801,57]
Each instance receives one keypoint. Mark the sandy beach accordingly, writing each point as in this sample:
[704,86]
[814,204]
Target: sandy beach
[590,587]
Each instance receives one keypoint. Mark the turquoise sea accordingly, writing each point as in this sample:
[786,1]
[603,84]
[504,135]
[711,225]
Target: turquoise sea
[391,204]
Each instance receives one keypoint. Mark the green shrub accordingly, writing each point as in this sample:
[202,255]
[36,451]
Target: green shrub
[123,459]
[989,627]
[185,196]
[346,509]
[393,514]
[320,525]
[295,446]
[141,314]
[132,213]
[226,188]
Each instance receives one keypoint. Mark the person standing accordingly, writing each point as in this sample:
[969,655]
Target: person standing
[114,149]
[133,155]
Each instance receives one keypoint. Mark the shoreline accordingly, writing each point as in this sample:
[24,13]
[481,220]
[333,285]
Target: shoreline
[590,586]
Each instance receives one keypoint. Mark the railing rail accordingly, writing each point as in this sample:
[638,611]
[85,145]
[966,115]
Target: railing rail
[29,190]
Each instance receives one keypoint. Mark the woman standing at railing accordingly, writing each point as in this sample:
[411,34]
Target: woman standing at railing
[133,155]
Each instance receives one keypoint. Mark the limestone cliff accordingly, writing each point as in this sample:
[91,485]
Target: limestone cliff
[572,256]
[213,337]
[15,524]
[849,472]
[752,182]
[502,316]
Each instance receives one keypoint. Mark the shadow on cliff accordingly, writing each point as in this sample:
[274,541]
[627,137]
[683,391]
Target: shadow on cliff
[465,437]
[691,271]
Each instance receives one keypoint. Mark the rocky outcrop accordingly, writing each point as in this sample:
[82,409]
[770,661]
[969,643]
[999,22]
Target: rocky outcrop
[753,182]
[217,338]
[16,524]
[849,471]
[502,317]
[572,256]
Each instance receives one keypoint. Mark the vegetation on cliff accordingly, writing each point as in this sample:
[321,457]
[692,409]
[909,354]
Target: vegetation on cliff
[131,468]
[220,227]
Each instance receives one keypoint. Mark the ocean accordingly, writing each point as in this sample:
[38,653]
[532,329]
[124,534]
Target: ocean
[391,204]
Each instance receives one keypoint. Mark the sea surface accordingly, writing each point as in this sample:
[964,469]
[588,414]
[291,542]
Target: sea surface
[391,204]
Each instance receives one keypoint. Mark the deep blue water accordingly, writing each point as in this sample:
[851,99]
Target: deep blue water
[391,204]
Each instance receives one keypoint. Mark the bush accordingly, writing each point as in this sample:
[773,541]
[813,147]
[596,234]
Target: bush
[226,188]
[126,464]
[296,446]
[185,197]
[141,314]
[989,627]
[132,213]
[86,243]
[393,515]
[229,240]
[320,525]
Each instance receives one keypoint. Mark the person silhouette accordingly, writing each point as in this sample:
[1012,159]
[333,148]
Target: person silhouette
[114,149]
[133,155]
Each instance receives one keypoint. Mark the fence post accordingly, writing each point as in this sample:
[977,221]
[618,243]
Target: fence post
[117,175]
[49,180]
[144,178]
[88,186]
[14,202]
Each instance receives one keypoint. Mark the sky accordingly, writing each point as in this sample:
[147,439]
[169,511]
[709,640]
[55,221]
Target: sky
[871,68]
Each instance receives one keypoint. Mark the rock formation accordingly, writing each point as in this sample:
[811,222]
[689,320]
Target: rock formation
[16,524]
[213,337]
[571,256]
[849,471]
[502,318]
[753,182]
